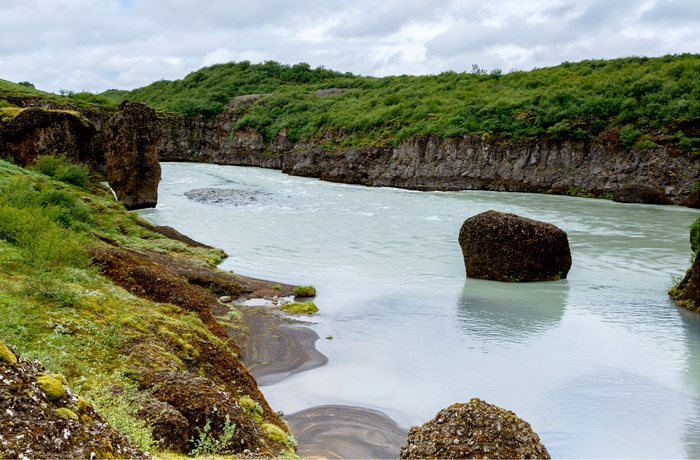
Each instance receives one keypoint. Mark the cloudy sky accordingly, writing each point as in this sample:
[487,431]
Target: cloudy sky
[95,45]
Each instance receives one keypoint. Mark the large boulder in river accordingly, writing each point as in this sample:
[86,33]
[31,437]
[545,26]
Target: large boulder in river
[133,170]
[474,430]
[506,247]
[638,193]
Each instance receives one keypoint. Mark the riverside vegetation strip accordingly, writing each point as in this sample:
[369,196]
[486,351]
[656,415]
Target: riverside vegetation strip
[116,339]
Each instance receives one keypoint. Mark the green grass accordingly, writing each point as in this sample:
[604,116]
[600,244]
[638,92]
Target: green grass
[57,308]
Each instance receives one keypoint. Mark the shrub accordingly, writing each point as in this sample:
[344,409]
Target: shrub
[208,445]
[121,412]
[629,135]
[61,168]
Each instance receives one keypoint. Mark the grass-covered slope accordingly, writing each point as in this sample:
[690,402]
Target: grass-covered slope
[647,101]
[125,323]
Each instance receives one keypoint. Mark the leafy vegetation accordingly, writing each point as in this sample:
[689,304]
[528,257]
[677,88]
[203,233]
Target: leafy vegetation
[647,101]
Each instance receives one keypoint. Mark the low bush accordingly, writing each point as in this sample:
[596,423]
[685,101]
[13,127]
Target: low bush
[62,169]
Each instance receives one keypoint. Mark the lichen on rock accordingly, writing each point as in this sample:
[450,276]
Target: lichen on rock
[474,430]
[6,355]
[51,386]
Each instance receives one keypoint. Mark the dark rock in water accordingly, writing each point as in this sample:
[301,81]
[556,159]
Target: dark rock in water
[693,200]
[687,292]
[637,193]
[506,247]
[133,170]
[224,196]
[474,430]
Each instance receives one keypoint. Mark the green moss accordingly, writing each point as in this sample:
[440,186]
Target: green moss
[7,114]
[304,291]
[51,386]
[66,414]
[275,433]
[252,408]
[6,356]
[300,308]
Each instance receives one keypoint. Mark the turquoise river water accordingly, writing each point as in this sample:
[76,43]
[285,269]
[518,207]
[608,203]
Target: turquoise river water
[602,364]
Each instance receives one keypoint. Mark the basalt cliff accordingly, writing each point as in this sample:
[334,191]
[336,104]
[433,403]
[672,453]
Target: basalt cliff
[596,167]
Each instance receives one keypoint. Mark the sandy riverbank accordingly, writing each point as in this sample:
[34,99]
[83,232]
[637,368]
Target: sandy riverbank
[277,347]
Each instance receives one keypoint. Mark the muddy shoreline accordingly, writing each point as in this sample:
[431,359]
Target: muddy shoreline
[277,347]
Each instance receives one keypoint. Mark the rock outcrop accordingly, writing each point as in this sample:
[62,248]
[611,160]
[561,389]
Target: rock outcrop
[43,419]
[26,133]
[474,430]
[687,292]
[637,193]
[133,170]
[506,247]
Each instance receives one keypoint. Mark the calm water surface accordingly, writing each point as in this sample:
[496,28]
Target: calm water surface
[602,365]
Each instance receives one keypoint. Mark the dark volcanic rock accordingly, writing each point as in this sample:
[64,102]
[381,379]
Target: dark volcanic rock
[133,170]
[637,193]
[201,401]
[687,292]
[33,424]
[37,131]
[506,247]
[474,430]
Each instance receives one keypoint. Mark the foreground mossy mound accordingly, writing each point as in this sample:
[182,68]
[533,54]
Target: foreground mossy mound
[118,329]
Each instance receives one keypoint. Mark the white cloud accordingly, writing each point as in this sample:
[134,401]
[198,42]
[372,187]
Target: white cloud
[90,45]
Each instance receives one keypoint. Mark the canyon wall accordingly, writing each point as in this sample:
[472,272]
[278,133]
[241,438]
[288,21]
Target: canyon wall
[599,166]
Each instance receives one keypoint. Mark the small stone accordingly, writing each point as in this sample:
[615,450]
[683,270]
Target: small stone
[225,299]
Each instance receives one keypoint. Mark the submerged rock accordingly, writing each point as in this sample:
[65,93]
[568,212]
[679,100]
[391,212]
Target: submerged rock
[506,247]
[224,196]
[637,193]
[474,430]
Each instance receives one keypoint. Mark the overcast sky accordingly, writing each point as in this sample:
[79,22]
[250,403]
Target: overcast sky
[95,45]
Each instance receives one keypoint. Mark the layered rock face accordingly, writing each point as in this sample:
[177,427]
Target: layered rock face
[35,131]
[474,430]
[428,162]
[133,170]
[506,247]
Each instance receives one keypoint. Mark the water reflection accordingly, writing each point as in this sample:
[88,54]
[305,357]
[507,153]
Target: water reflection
[492,311]
[599,406]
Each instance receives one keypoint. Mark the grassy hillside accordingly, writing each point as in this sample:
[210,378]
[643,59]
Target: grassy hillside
[647,101]
[58,308]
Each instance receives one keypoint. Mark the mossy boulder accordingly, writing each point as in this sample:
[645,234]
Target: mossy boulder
[507,247]
[6,355]
[474,430]
[51,386]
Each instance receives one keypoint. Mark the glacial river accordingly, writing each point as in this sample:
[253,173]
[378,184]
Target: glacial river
[602,364]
